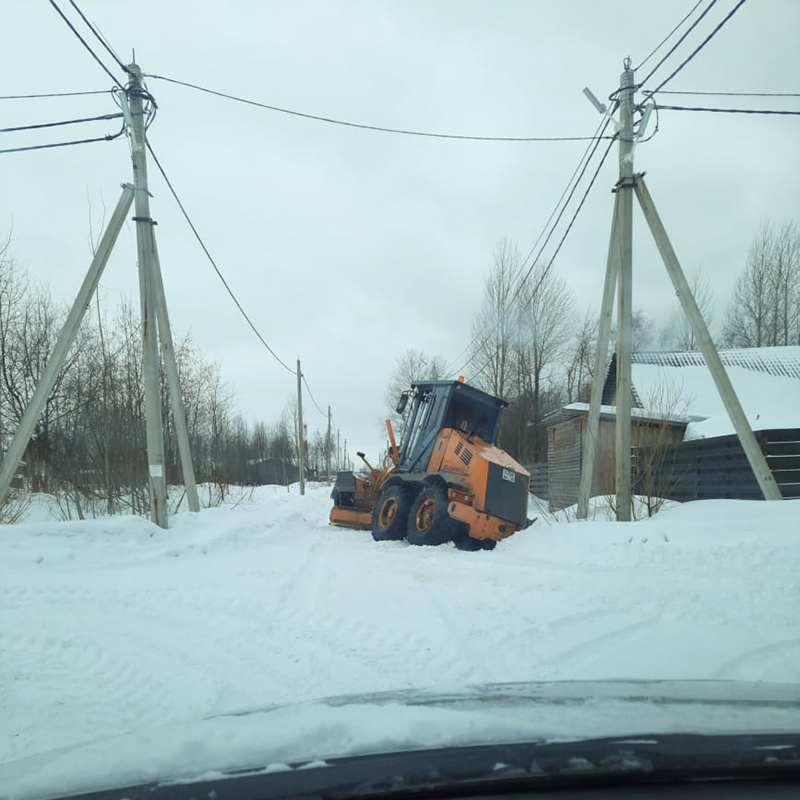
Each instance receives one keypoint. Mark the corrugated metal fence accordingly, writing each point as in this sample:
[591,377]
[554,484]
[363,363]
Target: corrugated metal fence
[705,469]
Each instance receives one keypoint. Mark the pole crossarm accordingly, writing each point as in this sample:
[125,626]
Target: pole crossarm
[755,456]
[55,363]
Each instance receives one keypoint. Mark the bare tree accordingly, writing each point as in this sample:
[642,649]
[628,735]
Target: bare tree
[493,328]
[546,313]
[580,358]
[765,308]
[677,334]
[654,479]
[88,447]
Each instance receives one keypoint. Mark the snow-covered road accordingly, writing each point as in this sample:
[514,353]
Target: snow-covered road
[114,625]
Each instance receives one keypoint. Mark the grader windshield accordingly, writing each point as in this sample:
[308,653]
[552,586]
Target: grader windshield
[445,404]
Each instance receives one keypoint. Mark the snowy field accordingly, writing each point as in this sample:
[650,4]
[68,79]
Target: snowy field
[115,625]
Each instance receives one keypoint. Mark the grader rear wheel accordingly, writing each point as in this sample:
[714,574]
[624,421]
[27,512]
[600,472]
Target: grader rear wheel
[428,521]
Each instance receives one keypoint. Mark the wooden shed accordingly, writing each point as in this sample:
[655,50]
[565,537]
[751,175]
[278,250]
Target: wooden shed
[566,435]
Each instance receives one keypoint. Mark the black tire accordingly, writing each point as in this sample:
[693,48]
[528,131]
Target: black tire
[390,513]
[466,542]
[428,521]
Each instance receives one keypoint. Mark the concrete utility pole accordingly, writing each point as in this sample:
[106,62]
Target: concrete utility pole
[624,296]
[300,442]
[328,448]
[151,371]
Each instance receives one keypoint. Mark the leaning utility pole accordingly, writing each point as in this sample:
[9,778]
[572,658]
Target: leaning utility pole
[752,449]
[300,442]
[49,376]
[593,422]
[174,385]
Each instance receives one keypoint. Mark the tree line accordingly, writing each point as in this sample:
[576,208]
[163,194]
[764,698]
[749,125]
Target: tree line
[89,444]
[535,347]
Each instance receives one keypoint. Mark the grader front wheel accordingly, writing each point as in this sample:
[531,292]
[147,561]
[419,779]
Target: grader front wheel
[390,514]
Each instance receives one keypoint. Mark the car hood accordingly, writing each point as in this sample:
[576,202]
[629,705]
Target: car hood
[306,734]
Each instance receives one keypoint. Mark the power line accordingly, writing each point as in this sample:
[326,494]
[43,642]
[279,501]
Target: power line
[593,149]
[732,94]
[678,43]
[585,156]
[571,222]
[583,165]
[100,38]
[700,46]
[402,131]
[756,111]
[311,395]
[106,138]
[57,124]
[214,263]
[49,94]
[578,209]
[668,36]
[86,44]
[561,242]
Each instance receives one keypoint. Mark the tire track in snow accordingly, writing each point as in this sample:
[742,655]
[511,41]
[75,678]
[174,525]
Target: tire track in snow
[570,661]
[464,660]
[365,625]
[768,654]
[52,669]
[138,651]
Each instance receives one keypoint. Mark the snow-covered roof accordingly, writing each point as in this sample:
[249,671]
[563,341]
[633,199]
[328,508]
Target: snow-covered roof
[779,361]
[766,381]
[575,409]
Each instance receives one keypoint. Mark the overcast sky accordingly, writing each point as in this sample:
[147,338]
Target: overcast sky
[347,246]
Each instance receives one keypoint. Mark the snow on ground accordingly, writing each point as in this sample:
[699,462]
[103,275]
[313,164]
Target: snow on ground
[114,625]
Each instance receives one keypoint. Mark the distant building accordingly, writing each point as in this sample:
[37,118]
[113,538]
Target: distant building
[278,471]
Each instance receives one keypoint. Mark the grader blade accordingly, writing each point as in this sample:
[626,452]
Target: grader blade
[344,517]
